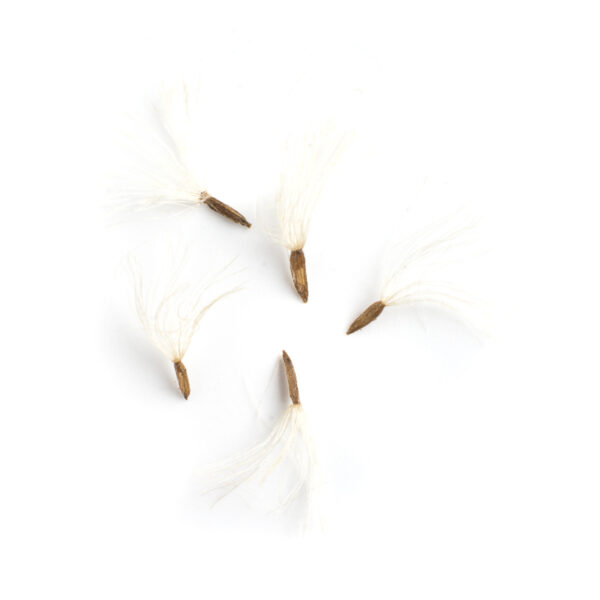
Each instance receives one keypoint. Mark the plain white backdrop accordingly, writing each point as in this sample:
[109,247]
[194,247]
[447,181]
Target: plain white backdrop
[455,467]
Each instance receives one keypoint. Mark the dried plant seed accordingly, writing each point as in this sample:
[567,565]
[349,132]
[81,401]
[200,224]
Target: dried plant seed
[182,378]
[226,211]
[298,268]
[291,378]
[368,315]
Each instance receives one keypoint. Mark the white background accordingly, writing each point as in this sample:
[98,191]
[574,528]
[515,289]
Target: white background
[455,467]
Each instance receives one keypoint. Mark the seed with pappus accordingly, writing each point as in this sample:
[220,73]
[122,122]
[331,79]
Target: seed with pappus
[307,162]
[289,444]
[169,154]
[170,310]
[416,273]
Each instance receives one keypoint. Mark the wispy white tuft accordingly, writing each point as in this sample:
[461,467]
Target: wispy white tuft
[308,160]
[287,453]
[163,155]
[170,309]
[425,266]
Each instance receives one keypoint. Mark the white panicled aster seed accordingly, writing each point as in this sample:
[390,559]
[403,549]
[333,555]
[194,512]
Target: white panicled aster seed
[170,309]
[416,273]
[167,153]
[288,443]
[308,161]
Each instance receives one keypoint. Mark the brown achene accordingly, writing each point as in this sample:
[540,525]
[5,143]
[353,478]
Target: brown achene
[182,378]
[226,211]
[291,378]
[366,317]
[298,269]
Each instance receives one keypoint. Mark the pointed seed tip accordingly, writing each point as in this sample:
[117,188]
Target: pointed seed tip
[227,211]
[366,317]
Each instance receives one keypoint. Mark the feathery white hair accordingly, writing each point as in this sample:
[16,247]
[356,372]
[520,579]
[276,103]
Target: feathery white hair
[414,268]
[308,160]
[169,309]
[289,444]
[165,155]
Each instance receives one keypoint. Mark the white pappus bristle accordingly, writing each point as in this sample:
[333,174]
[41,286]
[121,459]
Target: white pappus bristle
[422,269]
[170,309]
[289,444]
[308,160]
[163,155]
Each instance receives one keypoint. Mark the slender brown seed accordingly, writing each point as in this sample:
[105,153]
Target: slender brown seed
[291,378]
[226,211]
[182,378]
[368,315]
[298,268]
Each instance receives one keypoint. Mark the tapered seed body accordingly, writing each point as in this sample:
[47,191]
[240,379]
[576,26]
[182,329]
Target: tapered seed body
[226,211]
[291,378]
[368,315]
[182,378]
[298,269]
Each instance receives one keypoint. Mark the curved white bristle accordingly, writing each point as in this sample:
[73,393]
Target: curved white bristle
[163,156]
[420,269]
[288,442]
[308,160]
[169,309]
